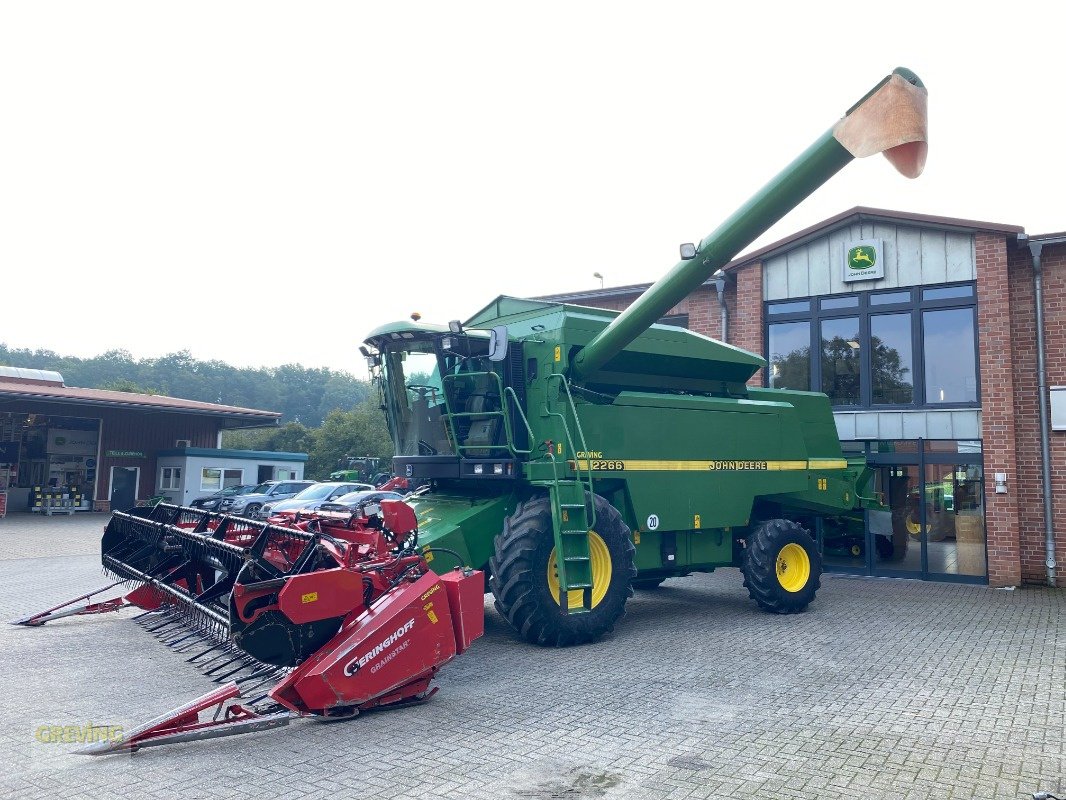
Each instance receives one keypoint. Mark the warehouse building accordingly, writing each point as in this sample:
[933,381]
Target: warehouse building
[96,449]
[922,330]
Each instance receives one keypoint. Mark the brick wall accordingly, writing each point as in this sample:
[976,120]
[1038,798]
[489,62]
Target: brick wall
[705,313]
[1026,483]
[745,317]
[997,409]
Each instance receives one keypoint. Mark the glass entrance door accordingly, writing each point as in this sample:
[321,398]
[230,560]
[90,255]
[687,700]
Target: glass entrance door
[933,526]
[897,531]
[955,520]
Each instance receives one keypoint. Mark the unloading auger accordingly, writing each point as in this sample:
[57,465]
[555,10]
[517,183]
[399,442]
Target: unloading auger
[332,617]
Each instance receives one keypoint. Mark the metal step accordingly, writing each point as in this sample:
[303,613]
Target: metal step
[573,559]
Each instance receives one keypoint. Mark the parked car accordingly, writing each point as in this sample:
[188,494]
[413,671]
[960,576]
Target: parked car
[248,505]
[356,501]
[211,502]
[310,498]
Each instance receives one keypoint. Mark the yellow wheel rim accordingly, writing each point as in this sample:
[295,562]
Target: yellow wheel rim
[913,528]
[601,574]
[793,567]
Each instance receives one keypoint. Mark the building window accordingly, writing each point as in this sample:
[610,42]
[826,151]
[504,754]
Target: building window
[841,367]
[790,355]
[170,478]
[891,359]
[905,347]
[950,363]
[232,477]
[210,479]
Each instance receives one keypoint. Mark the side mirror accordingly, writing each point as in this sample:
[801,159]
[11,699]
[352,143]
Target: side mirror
[498,343]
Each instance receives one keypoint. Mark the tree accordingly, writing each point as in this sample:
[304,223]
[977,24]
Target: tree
[791,371]
[126,385]
[359,432]
[890,384]
[841,373]
[292,437]
[306,394]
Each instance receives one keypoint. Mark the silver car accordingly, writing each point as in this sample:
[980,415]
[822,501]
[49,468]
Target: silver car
[248,505]
[311,498]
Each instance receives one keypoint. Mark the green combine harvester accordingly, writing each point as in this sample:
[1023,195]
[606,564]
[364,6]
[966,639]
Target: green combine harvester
[575,453]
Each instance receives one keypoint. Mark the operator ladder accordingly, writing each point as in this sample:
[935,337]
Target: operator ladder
[573,560]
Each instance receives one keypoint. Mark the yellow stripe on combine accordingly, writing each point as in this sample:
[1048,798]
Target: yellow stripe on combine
[717,465]
[828,463]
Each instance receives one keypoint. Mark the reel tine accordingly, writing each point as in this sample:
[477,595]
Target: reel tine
[246,663]
[268,671]
[227,652]
[150,617]
[274,676]
[172,627]
[182,637]
[169,620]
[205,652]
[233,660]
[198,638]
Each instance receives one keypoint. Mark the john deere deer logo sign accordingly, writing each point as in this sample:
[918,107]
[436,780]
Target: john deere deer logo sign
[861,257]
[862,261]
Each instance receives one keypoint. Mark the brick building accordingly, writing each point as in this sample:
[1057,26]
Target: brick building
[922,331]
[99,448]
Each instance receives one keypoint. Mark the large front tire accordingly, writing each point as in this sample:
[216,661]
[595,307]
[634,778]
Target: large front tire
[782,567]
[522,576]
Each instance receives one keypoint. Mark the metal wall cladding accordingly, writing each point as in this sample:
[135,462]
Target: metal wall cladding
[912,256]
[919,424]
[134,431]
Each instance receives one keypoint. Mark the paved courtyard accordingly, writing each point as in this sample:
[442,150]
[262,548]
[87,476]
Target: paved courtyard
[883,689]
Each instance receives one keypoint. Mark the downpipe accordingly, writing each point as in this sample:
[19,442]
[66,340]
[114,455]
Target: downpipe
[720,279]
[1035,249]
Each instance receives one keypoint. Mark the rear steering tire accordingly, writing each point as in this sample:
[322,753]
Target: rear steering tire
[781,567]
[520,579]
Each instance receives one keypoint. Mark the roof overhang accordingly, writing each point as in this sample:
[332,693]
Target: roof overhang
[228,416]
[858,214]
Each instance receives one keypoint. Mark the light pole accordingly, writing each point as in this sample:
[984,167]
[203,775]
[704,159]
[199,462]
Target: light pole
[597,275]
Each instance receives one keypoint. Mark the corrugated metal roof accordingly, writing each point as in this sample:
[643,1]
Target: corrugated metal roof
[27,375]
[255,455]
[106,397]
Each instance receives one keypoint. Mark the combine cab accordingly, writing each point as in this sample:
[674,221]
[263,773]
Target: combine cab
[570,453]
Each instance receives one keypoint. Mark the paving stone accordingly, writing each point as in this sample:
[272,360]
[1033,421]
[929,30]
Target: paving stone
[883,689]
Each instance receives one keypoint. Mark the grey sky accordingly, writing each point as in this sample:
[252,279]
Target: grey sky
[263,183]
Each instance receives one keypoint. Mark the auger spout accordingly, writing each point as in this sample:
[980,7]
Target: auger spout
[891,119]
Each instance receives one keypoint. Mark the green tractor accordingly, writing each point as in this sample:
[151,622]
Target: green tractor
[351,468]
[575,453]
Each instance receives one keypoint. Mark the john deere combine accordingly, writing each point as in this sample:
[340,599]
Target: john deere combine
[575,452]
[570,453]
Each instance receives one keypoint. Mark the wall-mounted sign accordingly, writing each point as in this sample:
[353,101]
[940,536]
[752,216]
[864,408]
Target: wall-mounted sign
[125,454]
[72,443]
[1058,408]
[863,260]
